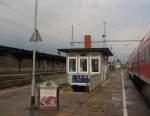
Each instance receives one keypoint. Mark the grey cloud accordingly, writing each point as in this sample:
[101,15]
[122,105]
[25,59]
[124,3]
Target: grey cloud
[55,18]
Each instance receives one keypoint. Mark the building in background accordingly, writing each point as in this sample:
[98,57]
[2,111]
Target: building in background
[86,67]
[20,60]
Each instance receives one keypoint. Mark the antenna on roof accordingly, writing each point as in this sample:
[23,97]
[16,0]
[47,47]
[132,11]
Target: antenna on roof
[72,37]
[104,35]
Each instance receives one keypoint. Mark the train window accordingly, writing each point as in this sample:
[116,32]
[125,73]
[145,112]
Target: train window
[95,65]
[83,65]
[143,56]
[72,65]
[149,55]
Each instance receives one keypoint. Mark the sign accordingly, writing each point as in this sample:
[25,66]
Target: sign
[80,79]
[38,36]
[48,97]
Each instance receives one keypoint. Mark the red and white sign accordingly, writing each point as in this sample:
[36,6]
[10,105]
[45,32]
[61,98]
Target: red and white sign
[48,97]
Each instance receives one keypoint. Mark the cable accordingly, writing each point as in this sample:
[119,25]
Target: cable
[55,38]
[27,28]
[147,21]
[14,9]
[11,22]
[117,28]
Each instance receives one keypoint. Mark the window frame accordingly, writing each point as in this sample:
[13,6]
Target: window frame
[80,62]
[96,57]
[68,63]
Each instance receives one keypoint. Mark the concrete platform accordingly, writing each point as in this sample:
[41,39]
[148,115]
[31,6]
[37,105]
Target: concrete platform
[135,103]
[105,100]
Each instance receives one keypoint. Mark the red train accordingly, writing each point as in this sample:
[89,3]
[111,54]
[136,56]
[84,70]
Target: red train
[139,67]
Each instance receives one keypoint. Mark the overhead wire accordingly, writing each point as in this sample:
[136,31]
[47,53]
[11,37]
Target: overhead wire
[119,29]
[26,28]
[16,24]
[146,25]
[21,13]
[14,9]
[123,49]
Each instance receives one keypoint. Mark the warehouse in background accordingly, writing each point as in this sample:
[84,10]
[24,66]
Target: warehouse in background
[14,60]
[86,67]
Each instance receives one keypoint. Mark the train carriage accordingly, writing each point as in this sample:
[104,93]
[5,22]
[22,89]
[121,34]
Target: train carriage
[139,67]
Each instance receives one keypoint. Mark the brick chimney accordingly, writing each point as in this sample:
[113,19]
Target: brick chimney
[87,41]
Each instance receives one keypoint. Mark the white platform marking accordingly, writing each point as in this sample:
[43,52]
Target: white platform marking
[125,111]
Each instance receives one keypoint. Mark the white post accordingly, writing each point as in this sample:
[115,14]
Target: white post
[34,57]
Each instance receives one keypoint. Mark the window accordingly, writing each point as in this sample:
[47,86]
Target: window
[83,65]
[144,56]
[95,65]
[149,55]
[72,65]
[83,54]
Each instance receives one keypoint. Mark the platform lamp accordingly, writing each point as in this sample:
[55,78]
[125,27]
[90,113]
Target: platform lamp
[34,39]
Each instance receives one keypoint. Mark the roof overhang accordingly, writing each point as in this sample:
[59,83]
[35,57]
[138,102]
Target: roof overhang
[28,54]
[104,51]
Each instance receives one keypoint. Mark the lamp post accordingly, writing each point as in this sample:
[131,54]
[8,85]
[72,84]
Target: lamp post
[35,38]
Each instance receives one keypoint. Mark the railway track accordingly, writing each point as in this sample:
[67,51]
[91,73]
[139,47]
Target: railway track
[18,79]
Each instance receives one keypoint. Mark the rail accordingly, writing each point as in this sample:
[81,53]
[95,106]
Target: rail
[9,80]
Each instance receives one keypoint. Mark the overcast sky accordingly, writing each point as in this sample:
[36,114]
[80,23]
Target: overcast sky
[125,19]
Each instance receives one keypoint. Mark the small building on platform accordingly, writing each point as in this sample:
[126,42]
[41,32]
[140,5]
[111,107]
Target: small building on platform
[86,67]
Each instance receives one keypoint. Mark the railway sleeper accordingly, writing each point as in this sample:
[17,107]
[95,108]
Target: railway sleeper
[18,82]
